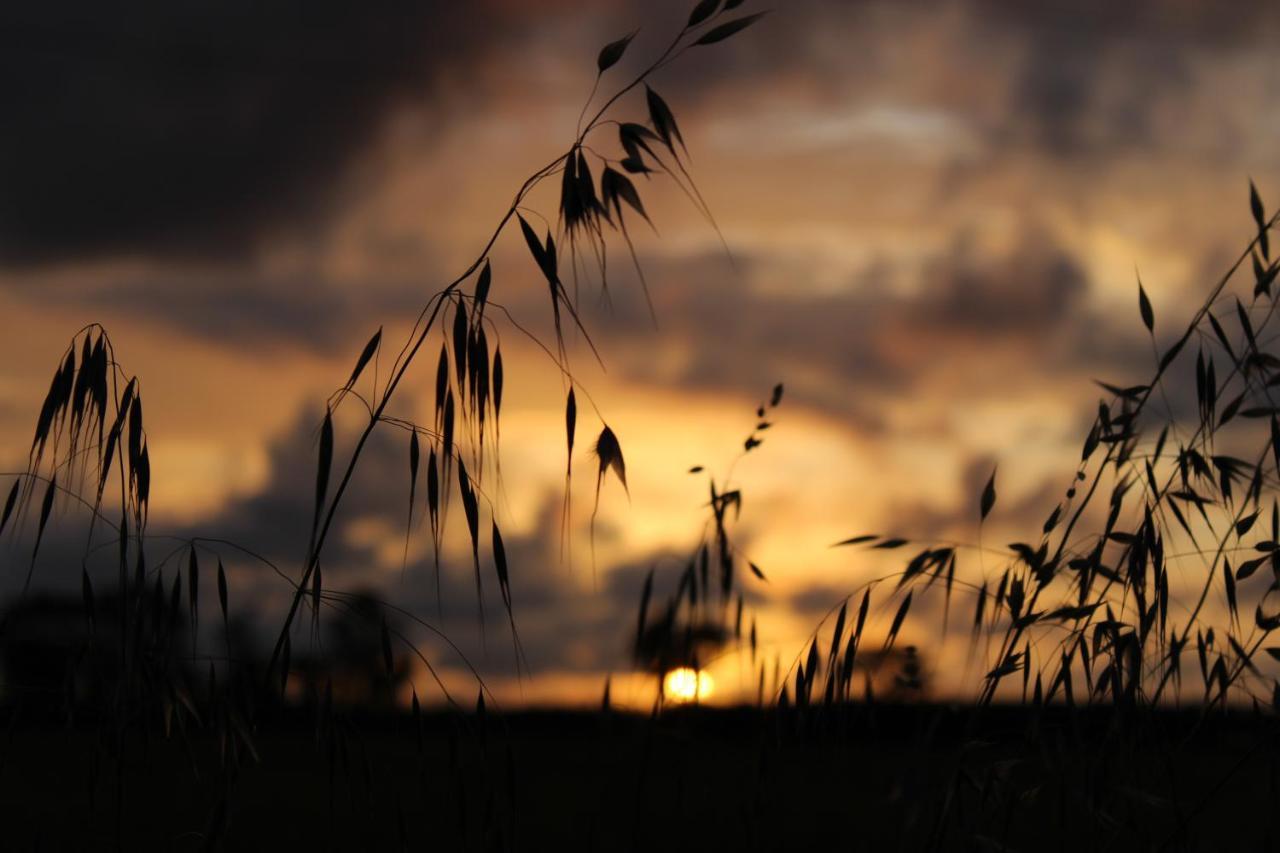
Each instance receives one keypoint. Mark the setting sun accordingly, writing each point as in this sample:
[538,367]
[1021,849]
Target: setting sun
[687,685]
[913,366]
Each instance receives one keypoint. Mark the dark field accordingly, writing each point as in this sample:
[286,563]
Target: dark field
[855,778]
[1014,462]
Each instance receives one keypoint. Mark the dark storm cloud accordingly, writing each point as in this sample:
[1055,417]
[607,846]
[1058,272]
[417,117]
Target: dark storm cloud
[563,622]
[1094,75]
[248,310]
[1083,78]
[200,128]
[1075,54]
[887,331]
[1029,291]
[205,128]
[197,127]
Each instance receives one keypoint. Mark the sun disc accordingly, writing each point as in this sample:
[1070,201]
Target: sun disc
[686,684]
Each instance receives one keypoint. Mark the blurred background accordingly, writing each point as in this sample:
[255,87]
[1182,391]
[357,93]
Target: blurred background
[937,213]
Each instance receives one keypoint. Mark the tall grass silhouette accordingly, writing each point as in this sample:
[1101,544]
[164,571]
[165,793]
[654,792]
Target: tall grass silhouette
[1086,599]
[90,447]
[1084,723]
[707,615]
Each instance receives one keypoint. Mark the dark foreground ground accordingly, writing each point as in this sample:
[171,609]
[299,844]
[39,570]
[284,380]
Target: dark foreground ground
[888,778]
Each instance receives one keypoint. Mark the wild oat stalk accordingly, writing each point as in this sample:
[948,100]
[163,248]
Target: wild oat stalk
[1080,601]
[708,610]
[92,416]
[472,388]
[92,422]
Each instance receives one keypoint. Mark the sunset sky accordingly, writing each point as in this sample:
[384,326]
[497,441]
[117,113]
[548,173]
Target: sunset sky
[937,213]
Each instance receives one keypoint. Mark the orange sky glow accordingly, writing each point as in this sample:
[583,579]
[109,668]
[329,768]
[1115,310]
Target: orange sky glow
[935,213]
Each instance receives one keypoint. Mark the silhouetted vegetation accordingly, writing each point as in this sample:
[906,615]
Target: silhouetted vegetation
[1103,713]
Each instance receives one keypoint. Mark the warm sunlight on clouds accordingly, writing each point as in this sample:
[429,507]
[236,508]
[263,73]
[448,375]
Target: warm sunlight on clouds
[934,214]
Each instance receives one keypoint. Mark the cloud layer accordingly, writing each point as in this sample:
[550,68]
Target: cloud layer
[935,213]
